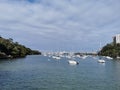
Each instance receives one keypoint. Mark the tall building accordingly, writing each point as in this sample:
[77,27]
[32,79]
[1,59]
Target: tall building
[116,39]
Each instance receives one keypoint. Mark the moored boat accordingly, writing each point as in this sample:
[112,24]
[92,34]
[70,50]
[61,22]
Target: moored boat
[109,57]
[73,62]
[56,57]
[101,61]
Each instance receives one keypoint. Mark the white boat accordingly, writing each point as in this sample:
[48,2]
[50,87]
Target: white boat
[101,61]
[56,57]
[69,57]
[44,54]
[118,57]
[84,57]
[78,56]
[73,62]
[108,57]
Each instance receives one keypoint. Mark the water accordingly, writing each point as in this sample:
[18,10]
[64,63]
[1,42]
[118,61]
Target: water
[44,73]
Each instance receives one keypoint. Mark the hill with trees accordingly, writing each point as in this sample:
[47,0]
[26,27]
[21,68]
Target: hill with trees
[10,49]
[112,50]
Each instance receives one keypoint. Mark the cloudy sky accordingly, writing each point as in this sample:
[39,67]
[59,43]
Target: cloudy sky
[52,25]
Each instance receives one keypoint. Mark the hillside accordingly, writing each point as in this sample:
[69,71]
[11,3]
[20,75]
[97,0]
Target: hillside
[10,49]
[112,50]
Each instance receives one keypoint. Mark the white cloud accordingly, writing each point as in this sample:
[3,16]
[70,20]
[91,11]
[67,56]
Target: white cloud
[73,22]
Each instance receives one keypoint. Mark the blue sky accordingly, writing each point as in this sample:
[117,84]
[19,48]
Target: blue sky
[52,25]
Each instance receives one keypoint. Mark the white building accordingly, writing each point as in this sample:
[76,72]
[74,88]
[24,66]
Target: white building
[116,38]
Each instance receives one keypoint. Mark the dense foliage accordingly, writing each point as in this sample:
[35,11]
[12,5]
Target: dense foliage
[10,49]
[112,50]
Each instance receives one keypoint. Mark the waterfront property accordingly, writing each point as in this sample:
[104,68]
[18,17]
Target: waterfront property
[116,39]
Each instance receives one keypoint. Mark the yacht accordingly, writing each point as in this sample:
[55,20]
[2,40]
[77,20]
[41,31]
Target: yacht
[56,57]
[73,62]
[108,57]
[118,57]
[101,61]
[84,57]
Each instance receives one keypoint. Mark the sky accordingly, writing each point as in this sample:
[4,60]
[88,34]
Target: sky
[58,25]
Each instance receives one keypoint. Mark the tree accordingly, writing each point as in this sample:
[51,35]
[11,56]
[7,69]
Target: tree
[15,49]
[112,50]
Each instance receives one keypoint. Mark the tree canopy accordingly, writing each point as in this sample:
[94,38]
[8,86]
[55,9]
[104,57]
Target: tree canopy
[8,48]
[112,50]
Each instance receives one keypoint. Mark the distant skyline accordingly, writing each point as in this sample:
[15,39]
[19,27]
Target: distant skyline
[57,25]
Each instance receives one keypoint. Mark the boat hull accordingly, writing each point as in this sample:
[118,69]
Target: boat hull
[72,62]
[101,61]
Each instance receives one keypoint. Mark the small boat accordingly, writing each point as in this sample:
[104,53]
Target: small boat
[56,57]
[69,57]
[108,57]
[73,62]
[118,57]
[78,56]
[101,61]
[84,57]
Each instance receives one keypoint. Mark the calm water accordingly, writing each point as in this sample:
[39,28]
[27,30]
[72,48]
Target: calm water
[43,73]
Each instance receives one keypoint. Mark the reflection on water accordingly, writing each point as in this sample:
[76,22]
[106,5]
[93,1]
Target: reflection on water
[45,73]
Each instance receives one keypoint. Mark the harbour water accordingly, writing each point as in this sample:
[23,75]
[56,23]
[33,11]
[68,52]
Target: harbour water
[44,73]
